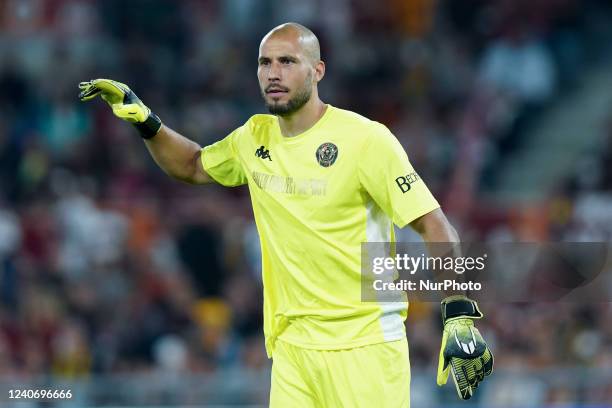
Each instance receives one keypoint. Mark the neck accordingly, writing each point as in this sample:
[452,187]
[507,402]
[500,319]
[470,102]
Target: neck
[302,120]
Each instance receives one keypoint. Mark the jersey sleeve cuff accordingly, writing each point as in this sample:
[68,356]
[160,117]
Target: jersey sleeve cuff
[205,167]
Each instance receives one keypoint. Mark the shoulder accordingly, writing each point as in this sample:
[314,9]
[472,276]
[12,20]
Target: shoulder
[259,122]
[255,130]
[350,118]
[361,128]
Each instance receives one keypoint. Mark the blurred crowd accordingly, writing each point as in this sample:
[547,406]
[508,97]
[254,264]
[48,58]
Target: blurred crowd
[109,267]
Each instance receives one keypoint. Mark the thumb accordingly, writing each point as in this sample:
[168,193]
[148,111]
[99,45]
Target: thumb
[443,364]
[443,371]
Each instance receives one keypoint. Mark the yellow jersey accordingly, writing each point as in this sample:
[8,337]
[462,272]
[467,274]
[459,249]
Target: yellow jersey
[316,197]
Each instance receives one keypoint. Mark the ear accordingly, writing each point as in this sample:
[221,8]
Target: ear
[319,71]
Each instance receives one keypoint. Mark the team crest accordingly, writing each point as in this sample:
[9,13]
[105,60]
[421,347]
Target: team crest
[327,154]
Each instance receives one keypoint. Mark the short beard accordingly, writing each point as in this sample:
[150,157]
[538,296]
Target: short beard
[294,104]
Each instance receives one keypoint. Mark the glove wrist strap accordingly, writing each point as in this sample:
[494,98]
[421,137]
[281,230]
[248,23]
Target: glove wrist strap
[149,127]
[459,306]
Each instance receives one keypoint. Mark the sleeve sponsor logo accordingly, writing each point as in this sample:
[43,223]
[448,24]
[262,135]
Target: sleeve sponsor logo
[404,182]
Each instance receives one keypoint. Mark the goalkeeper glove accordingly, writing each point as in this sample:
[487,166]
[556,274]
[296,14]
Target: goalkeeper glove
[463,351]
[125,104]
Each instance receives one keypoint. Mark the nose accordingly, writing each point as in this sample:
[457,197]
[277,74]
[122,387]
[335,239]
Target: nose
[274,73]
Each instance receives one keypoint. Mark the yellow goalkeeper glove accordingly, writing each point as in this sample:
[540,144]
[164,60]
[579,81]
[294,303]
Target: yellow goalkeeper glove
[463,351]
[125,104]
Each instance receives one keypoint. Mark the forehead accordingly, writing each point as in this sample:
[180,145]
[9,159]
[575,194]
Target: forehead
[280,45]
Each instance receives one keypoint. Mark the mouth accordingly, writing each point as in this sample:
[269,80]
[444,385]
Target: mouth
[275,91]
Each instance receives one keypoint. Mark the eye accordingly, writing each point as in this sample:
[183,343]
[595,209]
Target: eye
[264,62]
[286,61]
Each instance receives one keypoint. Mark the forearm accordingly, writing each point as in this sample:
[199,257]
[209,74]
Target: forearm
[177,156]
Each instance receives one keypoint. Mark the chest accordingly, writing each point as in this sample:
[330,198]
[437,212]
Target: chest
[321,172]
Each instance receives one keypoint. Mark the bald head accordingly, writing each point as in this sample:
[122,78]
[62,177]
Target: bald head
[306,39]
[289,67]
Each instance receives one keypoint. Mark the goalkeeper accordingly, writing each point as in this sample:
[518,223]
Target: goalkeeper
[322,180]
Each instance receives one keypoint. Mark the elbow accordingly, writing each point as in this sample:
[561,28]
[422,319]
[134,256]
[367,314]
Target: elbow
[183,177]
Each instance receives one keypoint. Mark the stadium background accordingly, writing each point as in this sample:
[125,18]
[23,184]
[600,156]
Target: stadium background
[132,289]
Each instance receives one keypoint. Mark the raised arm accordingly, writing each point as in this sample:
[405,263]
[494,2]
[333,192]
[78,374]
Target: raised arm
[178,156]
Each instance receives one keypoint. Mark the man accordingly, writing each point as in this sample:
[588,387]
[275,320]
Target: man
[322,181]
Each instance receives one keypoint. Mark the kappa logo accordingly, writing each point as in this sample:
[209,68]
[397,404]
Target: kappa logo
[263,153]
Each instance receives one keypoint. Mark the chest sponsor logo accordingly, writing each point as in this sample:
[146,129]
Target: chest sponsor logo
[290,185]
[263,153]
[404,182]
[327,154]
